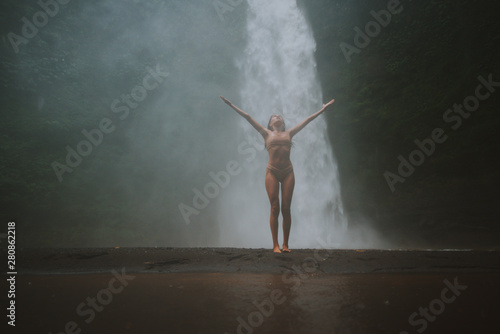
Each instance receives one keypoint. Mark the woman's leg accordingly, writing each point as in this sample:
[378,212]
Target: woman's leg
[287,186]
[272,187]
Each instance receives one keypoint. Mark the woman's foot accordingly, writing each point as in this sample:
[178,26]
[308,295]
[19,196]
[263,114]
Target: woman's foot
[276,249]
[285,249]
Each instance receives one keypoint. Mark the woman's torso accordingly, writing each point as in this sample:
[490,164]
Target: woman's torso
[278,145]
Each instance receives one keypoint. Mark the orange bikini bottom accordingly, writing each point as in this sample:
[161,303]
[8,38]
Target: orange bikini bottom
[280,174]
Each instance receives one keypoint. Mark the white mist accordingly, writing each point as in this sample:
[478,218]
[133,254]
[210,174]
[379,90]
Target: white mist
[278,73]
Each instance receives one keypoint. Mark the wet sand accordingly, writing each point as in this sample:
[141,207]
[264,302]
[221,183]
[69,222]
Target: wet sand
[255,291]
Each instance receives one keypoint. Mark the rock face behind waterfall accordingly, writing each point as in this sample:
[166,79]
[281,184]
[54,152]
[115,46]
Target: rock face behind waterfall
[395,91]
[278,76]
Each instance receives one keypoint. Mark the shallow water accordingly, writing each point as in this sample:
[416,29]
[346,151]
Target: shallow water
[253,303]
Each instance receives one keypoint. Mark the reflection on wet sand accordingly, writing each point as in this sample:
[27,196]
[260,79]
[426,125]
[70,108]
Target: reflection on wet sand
[258,303]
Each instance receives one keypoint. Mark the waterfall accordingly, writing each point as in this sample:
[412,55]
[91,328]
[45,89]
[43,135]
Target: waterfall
[278,73]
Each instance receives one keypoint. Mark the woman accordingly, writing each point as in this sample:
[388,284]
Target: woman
[278,142]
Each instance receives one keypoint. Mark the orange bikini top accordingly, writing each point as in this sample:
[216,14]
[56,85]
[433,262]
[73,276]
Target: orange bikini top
[289,144]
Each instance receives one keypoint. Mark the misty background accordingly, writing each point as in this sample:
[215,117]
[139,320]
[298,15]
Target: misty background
[127,190]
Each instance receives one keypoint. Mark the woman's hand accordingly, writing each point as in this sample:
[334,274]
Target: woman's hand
[226,101]
[263,131]
[326,105]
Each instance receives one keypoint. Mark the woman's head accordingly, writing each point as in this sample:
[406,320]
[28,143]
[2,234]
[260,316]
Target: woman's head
[276,122]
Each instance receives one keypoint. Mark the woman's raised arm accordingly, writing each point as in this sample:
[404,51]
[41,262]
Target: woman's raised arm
[257,126]
[301,125]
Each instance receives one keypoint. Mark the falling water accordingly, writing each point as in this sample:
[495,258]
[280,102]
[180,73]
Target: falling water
[279,76]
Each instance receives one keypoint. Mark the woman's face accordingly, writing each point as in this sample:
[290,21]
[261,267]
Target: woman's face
[276,122]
